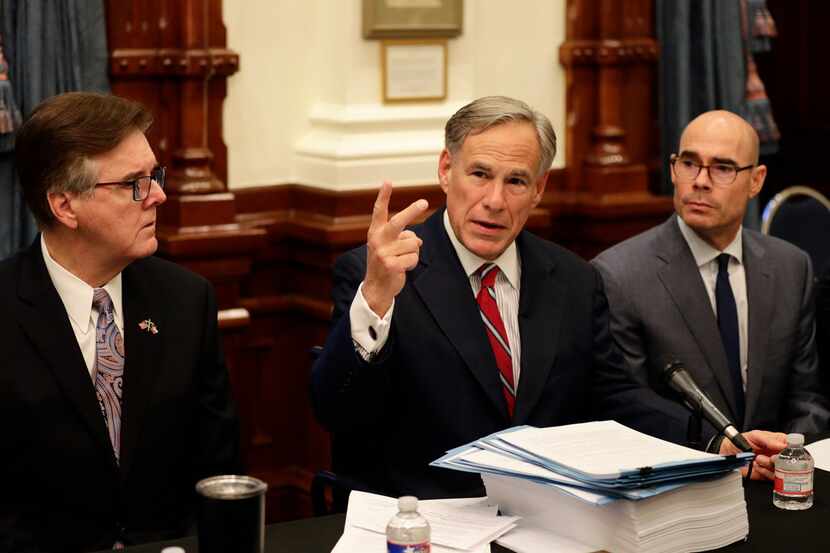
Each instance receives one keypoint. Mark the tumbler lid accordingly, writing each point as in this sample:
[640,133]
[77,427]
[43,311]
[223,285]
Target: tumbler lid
[230,486]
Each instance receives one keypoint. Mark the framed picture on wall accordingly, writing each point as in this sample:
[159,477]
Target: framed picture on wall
[414,70]
[412,18]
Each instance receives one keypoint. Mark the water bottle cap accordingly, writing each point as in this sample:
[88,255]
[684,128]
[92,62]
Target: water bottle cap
[407,504]
[796,440]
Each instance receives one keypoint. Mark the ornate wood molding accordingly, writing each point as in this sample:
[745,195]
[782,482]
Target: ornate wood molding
[194,63]
[608,52]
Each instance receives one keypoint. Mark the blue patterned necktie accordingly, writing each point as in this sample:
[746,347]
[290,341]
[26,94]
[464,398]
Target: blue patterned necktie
[109,367]
[728,326]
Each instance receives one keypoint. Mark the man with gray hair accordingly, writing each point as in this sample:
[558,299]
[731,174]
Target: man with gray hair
[464,325]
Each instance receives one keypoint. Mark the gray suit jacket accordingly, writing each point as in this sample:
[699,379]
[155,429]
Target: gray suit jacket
[660,311]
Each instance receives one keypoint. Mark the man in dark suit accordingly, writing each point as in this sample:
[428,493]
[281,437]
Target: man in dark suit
[114,395]
[466,324]
[734,306]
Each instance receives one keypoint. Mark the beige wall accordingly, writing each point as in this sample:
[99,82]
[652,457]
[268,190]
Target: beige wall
[306,104]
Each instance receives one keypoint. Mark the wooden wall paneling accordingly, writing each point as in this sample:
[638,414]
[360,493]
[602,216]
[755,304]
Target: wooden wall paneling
[609,57]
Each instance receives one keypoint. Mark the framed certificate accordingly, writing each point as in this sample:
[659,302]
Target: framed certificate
[414,70]
[412,18]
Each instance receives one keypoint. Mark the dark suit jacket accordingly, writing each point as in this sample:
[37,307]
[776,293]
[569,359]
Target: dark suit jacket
[660,311]
[63,490]
[435,384]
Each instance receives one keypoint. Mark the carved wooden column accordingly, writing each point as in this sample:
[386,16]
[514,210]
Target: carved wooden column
[609,56]
[172,56]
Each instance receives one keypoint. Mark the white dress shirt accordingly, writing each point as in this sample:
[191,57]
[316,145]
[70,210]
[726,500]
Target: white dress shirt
[706,258]
[76,296]
[365,323]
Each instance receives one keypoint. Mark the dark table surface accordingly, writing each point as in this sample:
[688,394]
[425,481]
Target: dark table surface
[770,529]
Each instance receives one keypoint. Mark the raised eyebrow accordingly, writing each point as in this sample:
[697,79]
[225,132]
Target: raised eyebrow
[477,165]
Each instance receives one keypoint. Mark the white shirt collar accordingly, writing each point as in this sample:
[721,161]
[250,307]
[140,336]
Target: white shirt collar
[703,252]
[76,294]
[508,261]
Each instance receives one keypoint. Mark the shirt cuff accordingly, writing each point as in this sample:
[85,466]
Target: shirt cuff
[369,332]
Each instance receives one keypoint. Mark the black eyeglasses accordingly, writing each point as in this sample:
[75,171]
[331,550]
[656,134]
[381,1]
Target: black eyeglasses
[722,174]
[141,185]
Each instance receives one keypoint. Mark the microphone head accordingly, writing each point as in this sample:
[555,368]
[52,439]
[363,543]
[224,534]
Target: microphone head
[670,370]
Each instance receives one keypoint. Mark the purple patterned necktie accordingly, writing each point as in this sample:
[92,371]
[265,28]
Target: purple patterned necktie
[109,366]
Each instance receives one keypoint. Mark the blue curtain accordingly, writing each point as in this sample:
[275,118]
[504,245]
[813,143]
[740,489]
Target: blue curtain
[702,67]
[51,46]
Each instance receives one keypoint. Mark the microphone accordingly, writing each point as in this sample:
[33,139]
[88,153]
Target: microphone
[679,380]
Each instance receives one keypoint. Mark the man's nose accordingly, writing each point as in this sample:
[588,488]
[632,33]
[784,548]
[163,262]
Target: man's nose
[494,197]
[156,195]
[703,179]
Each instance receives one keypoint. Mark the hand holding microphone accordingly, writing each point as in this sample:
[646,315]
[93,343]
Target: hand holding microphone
[764,444]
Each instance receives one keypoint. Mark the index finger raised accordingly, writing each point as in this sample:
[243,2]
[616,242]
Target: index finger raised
[380,211]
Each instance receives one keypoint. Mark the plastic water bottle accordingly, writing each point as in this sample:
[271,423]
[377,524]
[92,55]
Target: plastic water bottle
[408,531]
[793,476]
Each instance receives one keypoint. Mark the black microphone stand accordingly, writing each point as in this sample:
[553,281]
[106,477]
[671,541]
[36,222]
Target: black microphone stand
[694,433]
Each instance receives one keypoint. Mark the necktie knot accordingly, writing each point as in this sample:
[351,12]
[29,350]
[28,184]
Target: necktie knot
[488,272]
[723,263]
[101,300]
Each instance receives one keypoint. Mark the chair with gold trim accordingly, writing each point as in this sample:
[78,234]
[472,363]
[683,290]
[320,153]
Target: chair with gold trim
[801,215]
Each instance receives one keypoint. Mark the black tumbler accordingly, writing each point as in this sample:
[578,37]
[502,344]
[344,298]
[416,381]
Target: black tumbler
[231,514]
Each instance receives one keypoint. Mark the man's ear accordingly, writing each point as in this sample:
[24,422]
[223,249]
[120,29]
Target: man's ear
[539,188]
[61,204]
[444,169]
[756,182]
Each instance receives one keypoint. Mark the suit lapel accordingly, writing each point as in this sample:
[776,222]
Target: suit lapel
[760,285]
[441,283]
[141,357]
[541,307]
[681,278]
[45,322]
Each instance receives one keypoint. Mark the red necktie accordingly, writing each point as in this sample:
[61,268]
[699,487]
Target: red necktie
[496,332]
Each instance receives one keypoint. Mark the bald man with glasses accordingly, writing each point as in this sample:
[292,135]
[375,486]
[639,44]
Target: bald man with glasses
[734,306]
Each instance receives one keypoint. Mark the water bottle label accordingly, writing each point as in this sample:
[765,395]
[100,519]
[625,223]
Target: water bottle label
[407,548]
[794,483]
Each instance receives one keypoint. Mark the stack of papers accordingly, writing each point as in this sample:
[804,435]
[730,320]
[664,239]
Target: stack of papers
[457,525]
[697,517]
[610,487]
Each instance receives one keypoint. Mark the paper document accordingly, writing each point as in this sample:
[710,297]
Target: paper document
[528,539]
[358,539]
[464,524]
[603,449]
[820,451]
